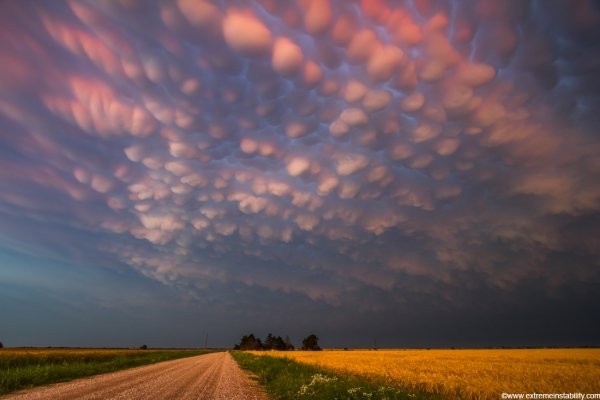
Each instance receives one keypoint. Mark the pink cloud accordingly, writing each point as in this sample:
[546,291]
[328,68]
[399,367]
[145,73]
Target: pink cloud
[321,123]
[244,32]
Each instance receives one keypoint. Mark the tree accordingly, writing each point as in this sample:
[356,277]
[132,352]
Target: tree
[1,345]
[288,343]
[249,342]
[143,347]
[270,342]
[279,344]
[311,342]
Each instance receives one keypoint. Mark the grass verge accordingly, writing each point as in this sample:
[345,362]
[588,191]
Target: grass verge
[287,379]
[26,368]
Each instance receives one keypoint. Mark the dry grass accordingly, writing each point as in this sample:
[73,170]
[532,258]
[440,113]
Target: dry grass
[22,353]
[468,374]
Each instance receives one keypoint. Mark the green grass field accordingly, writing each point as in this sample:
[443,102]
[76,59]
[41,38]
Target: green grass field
[25,368]
[287,379]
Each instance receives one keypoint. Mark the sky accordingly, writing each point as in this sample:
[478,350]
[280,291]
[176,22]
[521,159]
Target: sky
[414,173]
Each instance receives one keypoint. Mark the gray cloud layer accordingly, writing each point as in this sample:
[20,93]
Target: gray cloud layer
[365,155]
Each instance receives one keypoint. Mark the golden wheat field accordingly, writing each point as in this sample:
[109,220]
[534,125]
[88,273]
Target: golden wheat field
[468,374]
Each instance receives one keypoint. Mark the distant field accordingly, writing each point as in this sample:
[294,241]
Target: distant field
[467,374]
[24,368]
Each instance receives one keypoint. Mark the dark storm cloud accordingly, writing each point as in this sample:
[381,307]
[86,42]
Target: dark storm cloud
[372,155]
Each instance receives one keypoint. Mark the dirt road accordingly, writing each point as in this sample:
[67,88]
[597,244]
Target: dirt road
[210,376]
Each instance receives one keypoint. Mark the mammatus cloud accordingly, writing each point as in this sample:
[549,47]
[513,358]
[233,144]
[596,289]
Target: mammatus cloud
[320,148]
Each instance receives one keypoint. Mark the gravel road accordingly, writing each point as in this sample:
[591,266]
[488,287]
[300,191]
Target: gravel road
[210,376]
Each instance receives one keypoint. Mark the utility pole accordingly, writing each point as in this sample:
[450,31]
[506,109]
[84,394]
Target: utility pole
[206,341]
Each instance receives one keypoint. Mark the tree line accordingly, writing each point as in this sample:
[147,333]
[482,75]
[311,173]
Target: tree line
[251,342]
